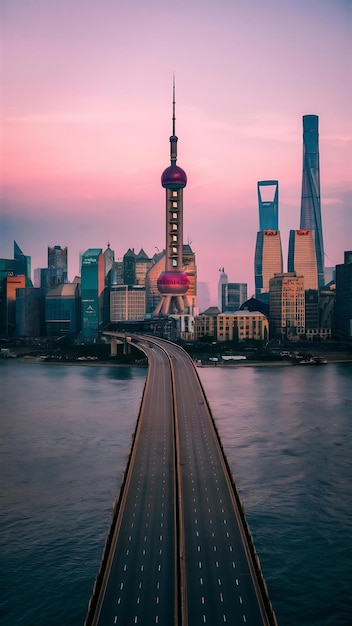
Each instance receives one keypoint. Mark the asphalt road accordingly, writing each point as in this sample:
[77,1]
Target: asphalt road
[220,586]
[141,585]
[218,580]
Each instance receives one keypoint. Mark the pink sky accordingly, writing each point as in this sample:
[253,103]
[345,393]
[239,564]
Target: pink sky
[86,106]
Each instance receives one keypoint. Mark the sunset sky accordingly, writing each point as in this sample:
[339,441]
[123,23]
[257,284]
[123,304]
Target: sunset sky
[86,107]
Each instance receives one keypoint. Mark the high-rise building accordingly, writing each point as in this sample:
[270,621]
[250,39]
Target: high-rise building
[142,265]
[343,302]
[310,202]
[57,265]
[173,282]
[302,258]
[189,267]
[22,264]
[233,295]
[62,310]
[7,268]
[129,267]
[223,280]
[268,205]
[117,273]
[127,302]
[109,258]
[10,286]
[286,306]
[30,312]
[268,251]
[92,292]
[267,261]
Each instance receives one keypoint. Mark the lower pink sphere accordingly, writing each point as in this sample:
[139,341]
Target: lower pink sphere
[173,283]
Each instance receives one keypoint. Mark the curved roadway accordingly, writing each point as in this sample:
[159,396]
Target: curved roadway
[141,580]
[217,578]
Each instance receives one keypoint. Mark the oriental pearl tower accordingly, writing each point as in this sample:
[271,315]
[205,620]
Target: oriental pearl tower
[173,283]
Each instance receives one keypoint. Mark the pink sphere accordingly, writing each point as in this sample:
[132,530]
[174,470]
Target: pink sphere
[174,177]
[173,283]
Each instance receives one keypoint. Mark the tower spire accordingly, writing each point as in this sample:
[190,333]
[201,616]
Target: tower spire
[173,138]
[173,283]
[173,106]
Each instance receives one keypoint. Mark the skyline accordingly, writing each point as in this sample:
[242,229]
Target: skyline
[86,106]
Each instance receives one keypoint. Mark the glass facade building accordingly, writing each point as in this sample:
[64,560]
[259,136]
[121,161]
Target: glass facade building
[267,261]
[92,292]
[268,205]
[57,265]
[62,310]
[11,284]
[310,200]
[302,258]
[233,295]
[30,312]
[343,303]
[287,306]
[22,263]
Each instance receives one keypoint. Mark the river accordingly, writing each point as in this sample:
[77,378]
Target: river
[65,437]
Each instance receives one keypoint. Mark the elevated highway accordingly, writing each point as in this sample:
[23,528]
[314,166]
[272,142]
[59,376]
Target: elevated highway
[179,550]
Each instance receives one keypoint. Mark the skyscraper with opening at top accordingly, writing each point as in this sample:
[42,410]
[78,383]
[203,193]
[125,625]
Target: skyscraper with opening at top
[268,250]
[268,204]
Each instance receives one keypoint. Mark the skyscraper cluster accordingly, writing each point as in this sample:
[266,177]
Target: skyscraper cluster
[136,287]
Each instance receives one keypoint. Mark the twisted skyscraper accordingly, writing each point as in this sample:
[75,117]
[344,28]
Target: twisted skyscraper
[310,203]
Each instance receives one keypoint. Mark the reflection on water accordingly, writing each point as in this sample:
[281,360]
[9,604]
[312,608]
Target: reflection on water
[65,433]
[287,433]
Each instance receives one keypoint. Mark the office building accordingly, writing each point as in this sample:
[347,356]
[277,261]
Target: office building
[117,273]
[302,257]
[127,302]
[129,267]
[268,201]
[173,283]
[30,312]
[57,266]
[233,295]
[242,325]
[10,286]
[92,292]
[151,282]
[62,310]
[343,302]
[189,267]
[267,261]
[109,258]
[223,280]
[310,201]
[286,306]
[7,268]
[142,265]
[205,324]
[268,251]
[22,264]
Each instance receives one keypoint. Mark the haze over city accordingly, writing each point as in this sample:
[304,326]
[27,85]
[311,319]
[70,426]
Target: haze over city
[86,106]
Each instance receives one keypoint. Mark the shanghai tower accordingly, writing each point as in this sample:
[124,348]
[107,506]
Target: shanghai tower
[310,202]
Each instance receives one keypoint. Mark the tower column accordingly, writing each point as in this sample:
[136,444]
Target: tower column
[173,283]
